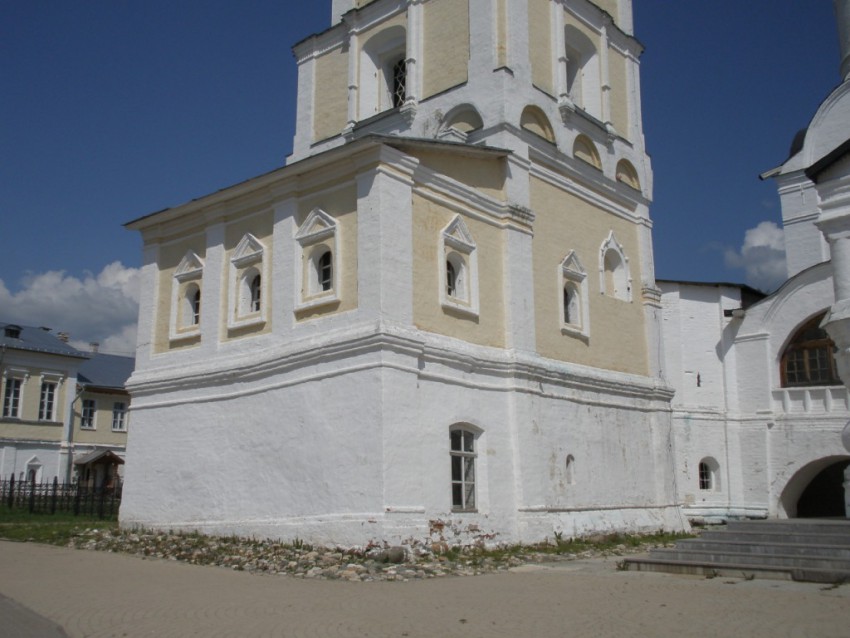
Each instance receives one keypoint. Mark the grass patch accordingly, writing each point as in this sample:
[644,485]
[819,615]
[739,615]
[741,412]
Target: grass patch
[51,529]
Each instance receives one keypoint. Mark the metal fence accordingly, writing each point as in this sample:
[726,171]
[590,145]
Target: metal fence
[67,498]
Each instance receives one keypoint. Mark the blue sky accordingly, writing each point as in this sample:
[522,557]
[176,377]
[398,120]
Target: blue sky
[113,110]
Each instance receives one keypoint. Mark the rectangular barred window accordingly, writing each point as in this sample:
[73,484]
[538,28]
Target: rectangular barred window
[88,413]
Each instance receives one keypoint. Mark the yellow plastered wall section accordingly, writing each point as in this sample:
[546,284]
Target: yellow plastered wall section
[619,92]
[259,225]
[429,220]
[540,44]
[341,204]
[103,433]
[32,432]
[330,108]
[446,45]
[170,256]
[563,223]
[485,175]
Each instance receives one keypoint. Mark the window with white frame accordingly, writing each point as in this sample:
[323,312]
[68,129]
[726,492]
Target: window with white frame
[12,397]
[463,456]
[186,297]
[458,259]
[318,263]
[572,284]
[248,283]
[88,413]
[47,401]
[615,280]
[119,416]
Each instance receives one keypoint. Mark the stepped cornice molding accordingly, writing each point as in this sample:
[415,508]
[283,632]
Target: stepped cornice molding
[378,345]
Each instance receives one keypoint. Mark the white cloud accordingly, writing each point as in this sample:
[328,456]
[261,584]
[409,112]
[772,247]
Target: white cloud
[762,256]
[101,308]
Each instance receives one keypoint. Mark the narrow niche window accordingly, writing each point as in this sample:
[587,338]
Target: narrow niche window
[614,278]
[572,283]
[186,297]
[463,458]
[247,305]
[318,263]
[458,261]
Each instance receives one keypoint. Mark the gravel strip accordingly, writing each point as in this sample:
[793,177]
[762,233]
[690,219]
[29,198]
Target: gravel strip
[358,564]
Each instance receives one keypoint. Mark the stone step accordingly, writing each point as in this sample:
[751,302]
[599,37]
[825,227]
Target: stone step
[740,570]
[815,550]
[809,538]
[795,526]
[781,548]
[753,558]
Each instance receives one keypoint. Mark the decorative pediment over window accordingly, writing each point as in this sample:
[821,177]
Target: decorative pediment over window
[572,267]
[614,276]
[319,265]
[190,267]
[457,235]
[574,301]
[248,251]
[317,227]
[458,269]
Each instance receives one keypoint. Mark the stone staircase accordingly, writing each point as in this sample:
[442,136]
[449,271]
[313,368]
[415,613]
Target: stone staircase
[804,549]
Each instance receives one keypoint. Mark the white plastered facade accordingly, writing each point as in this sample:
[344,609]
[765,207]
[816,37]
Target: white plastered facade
[330,422]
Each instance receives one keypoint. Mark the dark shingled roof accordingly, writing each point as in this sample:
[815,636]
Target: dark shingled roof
[36,340]
[106,371]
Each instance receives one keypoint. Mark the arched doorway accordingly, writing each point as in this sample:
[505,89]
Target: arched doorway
[817,490]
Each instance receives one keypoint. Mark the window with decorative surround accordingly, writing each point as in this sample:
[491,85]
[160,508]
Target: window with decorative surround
[614,278]
[247,305]
[458,259]
[12,396]
[463,457]
[318,263]
[47,401]
[186,297]
[572,285]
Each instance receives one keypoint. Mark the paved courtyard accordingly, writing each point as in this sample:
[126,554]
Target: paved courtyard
[48,591]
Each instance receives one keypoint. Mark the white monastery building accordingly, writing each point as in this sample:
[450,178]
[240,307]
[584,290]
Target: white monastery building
[440,319]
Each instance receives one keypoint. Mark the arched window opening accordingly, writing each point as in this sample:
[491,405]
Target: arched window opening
[584,85]
[533,119]
[704,476]
[569,470]
[585,150]
[383,77]
[398,83]
[456,277]
[809,357]
[196,307]
[463,455]
[707,475]
[451,279]
[190,314]
[256,292]
[627,174]
[324,271]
